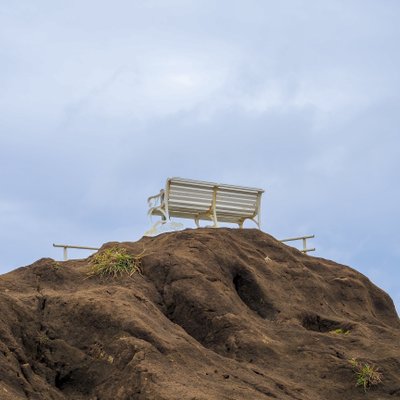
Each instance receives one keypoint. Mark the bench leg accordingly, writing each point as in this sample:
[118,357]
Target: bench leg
[214,219]
[257,222]
[164,219]
[153,230]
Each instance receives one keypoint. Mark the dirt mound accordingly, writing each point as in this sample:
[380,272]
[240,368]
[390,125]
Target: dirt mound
[215,314]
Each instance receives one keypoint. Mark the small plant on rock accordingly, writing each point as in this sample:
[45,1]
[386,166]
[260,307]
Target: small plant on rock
[42,338]
[366,375]
[340,331]
[115,262]
[56,265]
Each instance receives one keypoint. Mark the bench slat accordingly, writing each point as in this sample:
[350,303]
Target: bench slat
[193,182]
[236,210]
[220,188]
[202,206]
[201,203]
[252,202]
[189,206]
[209,193]
[193,200]
[190,188]
[201,197]
[195,210]
[198,203]
[243,203]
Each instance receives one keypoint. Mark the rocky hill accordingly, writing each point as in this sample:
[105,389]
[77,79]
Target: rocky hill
[214,314]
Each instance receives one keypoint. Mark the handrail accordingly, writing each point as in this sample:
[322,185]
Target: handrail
[70,246]
[304,239]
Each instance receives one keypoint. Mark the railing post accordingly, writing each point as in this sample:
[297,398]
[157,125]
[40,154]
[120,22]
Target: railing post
[304,243]
[65,253]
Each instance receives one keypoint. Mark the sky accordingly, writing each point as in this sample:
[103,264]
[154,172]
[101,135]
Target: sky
[101,102]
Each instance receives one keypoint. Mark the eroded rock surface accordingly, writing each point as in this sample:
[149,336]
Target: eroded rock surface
[217,314]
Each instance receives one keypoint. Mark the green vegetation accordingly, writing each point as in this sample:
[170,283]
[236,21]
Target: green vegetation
[42,338]
[340,331]
[115,262]
[366,375]
[56,265]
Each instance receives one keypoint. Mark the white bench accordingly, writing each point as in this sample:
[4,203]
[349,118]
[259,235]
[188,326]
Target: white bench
[198,200]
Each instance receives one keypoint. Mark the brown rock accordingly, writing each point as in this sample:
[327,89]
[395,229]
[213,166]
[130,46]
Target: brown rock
[216,314]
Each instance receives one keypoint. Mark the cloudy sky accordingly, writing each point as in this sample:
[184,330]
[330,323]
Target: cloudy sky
[101,101]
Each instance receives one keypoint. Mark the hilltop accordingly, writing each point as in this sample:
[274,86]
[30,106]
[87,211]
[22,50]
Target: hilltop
[214,314]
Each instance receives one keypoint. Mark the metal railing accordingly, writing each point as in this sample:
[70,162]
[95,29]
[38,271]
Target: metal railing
[304,239]
[69,246]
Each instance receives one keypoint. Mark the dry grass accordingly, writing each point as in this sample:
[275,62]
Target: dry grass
[115,262]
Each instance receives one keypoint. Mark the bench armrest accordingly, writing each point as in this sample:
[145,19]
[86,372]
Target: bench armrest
[154,201]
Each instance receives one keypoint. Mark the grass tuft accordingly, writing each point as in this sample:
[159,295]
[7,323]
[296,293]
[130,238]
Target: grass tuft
[340,331]
[42,338]
[366,375]
[115,262]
